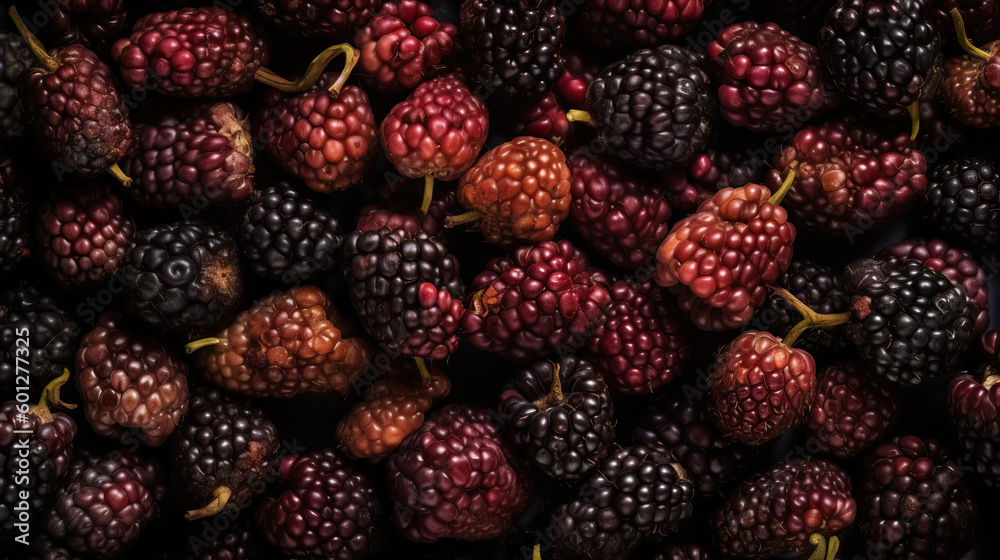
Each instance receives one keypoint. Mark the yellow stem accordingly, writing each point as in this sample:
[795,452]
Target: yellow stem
[457,220]
[117,173]
[914,110]
[810,319]
[555,394]
[822,551]
[536,554]
[777,197]
[314,71]
[34,44]
[50,396]
[576,115]
[428,193]
[425,372]
[221,494]
[195,345]
[963,38]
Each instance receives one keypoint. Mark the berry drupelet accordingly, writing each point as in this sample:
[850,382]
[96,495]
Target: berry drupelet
[329,511]
[519,192]
[130,385]
[909,323]
[619,212]
[679,426]
[224,453]
[536,302]
[852,410]
[643,345]
[981,17]
[783,509]
[318,18]
[850,176]
[974,402]
[14,230]
[560,415]
[884,55]
[690,551]
[52,339]
[971,89]
[543,118]
[406,289]
[654,108]
[91,23]
[513,45]
[183,277]
[578,72]
[634,493]
[623,27]
[914,502]
[964,199]
[193,155]
[84,235]
[720,259]
[288,237]
[687,188]
[771,79]
[456,478]
[15,60]
[402,45]
[390,409]
[285,344]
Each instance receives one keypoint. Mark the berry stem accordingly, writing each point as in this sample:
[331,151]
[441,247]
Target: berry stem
[50,396]
[555,394]
[457,220]
[576,115]
[822,551]
[536,554]
[786,185]
[221,494]
[34,44]
[914,110]
[313,72]
[195,345]
[117,173]
[428,193]
[963,38]
[425,372]
[811,319]
[990,381]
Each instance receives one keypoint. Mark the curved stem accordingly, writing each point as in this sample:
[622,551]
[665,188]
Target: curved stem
[457,220]
[425,372]
[555,394]
[34,44]
[810,319]
[914,110]
[822,551]
[428,193]
[50,396]
[786,185]
[195,345]
[221,494]
[117,173]
[576,115]
[313,72]
[963,38]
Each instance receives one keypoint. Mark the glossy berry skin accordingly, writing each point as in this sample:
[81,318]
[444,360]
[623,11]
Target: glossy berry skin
[542,118]
[777,510]
[623,27]
[288,237]
[437,130]
[15,60]
[720,259]
[52,339]
[578,72]
[852,410]
[402,45]
[618,211]
[883,55]
[104,503]
[959,265]
[390,409]
[192,52]
[964,199]
[688,551]
[327,142]
[406,289]
[183,276]
[131,385]
[522,190]
[634,493]
[224,442]
[654,108]
[456,478]
[14,230]
[678,425]
[643,345]
[914,502]
[318,18]
[91,23]
[974,402]
[285,344]
[565,435]
[759,388]
[191,156]
[971,89]
[850,176]
[76,112]
[513,45]
[687,188]
[771,79]
[84,235]
[328,511]
[908,322]
[49,444]
[535,302]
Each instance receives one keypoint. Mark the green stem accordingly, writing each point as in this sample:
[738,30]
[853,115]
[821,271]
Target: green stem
[195,345]
[786,186]
[50,396]
[117,173]
[428,193]
[822,551]
[452,221]
[34,44]
[425,372]
[811,319]
[576,115]
[914,110]
[963,38]
[536,554]
[314,71]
